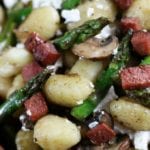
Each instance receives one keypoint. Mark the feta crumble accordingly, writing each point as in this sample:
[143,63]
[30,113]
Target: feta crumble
[106,32]
[72,15]
[9,3]
[43,3]
[90,12]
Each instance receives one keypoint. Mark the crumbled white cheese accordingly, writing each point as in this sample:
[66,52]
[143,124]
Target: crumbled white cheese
[43,3]
[141,140]
[9,3]
[115,51]
[28,112]
[100,6]
[20,45]
[104,104]
[93,124]
[54,67]
[25,1]
[71,15]
[90,12]
[106,32]
[59,32]
[2,45]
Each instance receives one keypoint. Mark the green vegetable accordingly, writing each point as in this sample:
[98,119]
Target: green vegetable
[14,18]
[146,61]
[80,34]
[119,61]
[105,79]
[82,111]
[143,95]
[69,4]
[16,99]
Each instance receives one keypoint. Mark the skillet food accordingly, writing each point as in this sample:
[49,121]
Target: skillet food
[74,74]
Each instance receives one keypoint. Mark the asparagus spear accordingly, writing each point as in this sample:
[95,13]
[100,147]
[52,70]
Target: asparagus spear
[80,34]
[82,111]
[106,79]
[17,98]
[14,18]
[119,61]
[143,95]
[69,4]
[146,61]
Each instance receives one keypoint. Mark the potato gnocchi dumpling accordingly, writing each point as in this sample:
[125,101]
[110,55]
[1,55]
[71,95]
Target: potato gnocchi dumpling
[56,133]
[5,85]
[44,21]
[87,68]
[68,90]
[130,114]
[24,141]
[12,61]
[141,10]
[17,83]
[95,9]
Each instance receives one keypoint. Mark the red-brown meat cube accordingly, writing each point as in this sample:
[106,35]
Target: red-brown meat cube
[100,134]
[32,41]
[31,70]
[46,53]
[135,77]
[130,23]
[123,4]
[141,42]
[36,107]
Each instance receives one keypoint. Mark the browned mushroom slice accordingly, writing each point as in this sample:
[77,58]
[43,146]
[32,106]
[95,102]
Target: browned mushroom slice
[93,49]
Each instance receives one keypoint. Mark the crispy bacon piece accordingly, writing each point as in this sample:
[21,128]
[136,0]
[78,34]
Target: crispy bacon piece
[135,77]
[130,23]
[141,42]
[32,41]
[100,134]
[36,107]
[46,53]
[123,4]
[30,70]
[43,52]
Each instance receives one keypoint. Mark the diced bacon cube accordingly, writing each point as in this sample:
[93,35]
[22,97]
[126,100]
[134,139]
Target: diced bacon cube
[123,4]
[31,70]
[135,77]
[36,107]
[43,52]
[32,41]
[141,42]
[130,23]
[100,134]
[46,53]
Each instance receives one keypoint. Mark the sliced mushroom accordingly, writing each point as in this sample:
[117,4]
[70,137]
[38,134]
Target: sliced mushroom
[94,49]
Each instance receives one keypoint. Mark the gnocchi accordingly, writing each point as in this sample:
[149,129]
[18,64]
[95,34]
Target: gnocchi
[17,83]
[95,9]
[24,141]
[5,85]
[44,21]
[68,90]
[131,114]
[87,68]
[56,133]
[141,10]
[12,61]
